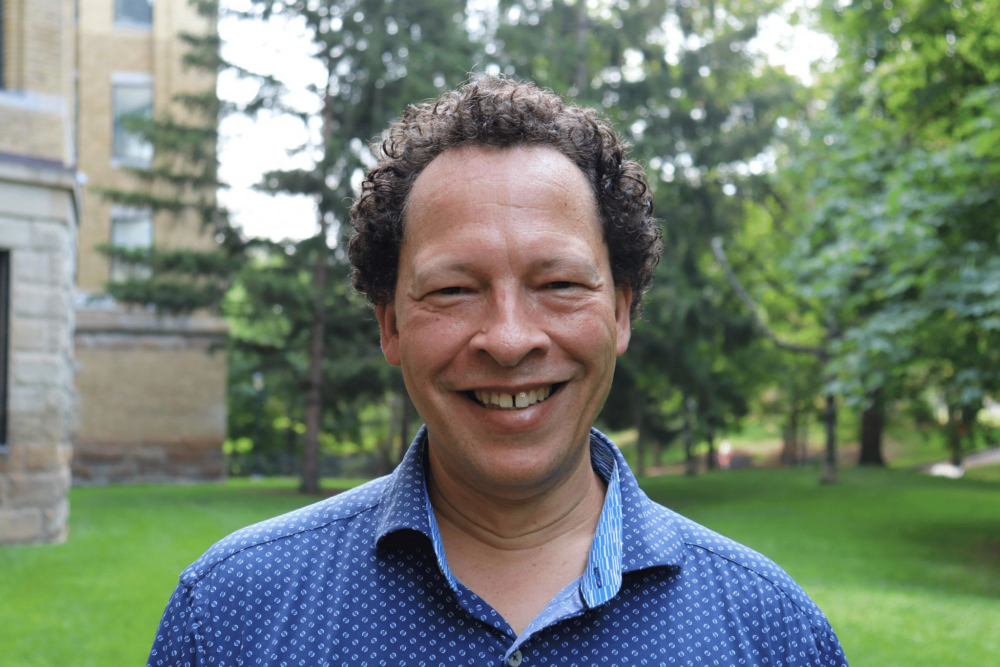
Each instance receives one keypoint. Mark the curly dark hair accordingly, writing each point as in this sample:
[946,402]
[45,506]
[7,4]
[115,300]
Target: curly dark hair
[495,111]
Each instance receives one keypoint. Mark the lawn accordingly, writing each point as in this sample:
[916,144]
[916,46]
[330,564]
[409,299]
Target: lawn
[907,567]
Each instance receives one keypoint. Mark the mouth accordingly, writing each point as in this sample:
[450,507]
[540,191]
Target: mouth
[499,400]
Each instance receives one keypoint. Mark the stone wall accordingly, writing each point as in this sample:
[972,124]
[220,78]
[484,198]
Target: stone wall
[38,228]
[152,397]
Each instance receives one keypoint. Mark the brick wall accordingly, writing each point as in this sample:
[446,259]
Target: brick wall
[152,397]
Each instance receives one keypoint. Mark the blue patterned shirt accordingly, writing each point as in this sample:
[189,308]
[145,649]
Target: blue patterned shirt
[362,579]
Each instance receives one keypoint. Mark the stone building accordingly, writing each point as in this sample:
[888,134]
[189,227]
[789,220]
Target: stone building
[141,397]
[152,389]
[39,205]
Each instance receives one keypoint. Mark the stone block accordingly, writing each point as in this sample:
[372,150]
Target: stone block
[40,369]
[38,489]
[37,428]
[40,301]
[20,525]
[12,457]
[55,521]
[51,236]
[15,233]
[39,335]
[46,457]
[32,400]
[31,266]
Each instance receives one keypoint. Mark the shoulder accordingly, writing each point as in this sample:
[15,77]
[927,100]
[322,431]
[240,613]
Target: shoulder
[721,556]
[296,525]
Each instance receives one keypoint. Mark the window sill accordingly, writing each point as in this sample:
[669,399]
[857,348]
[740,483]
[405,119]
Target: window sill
[131,25]
[126,163]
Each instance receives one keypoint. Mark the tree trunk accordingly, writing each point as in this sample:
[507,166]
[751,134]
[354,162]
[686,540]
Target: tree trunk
[803,453]
[317,332]
[404,426]
[640,436]
[872,425]
[690,463]
[789,437]
[291,449]
[830,454]
[955,431]
[710,460]
[386,447]
[314,387]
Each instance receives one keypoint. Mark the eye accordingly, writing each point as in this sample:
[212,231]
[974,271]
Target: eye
[449,291]
[560,285]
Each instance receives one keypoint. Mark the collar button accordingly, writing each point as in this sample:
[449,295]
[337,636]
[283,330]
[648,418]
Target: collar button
[515,659]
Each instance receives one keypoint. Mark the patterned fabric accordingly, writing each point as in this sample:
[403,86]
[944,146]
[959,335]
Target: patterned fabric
[362,579]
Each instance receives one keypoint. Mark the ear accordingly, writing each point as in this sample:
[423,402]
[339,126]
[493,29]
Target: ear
[623,319]
[386,315]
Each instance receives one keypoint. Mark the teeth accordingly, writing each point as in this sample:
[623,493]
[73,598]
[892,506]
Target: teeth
[510,401]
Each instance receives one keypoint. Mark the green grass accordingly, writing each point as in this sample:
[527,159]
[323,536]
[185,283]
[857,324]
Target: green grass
[907,567]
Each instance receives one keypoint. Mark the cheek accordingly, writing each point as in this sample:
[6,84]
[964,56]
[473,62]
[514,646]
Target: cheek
[588,333]
[430,339]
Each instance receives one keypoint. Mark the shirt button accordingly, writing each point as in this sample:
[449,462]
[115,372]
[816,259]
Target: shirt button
[515,659]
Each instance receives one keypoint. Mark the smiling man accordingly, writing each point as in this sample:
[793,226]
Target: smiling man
[505,240]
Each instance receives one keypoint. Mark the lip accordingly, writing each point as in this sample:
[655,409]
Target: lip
[512,389]
[514,421]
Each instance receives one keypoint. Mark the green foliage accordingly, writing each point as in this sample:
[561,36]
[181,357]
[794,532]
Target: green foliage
[901,238]
[680,82]
[179,187]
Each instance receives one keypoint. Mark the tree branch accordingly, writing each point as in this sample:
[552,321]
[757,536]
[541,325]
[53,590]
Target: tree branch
[720,256]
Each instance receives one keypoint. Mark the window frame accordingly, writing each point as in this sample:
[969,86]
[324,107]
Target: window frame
[119,213]
[121,80]
[125,22]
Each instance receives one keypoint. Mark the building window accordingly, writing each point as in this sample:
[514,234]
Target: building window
[131,228]
[4,340]
[132,96]
[134,12]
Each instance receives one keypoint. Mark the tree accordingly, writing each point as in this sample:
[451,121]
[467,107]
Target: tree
[897,241]
[680,80]
[180,184]
[364,47]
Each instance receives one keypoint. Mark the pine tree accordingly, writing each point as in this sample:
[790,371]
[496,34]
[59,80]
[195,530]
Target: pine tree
[179,186]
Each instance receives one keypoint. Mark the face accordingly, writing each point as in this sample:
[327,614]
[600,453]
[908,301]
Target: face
[506,320]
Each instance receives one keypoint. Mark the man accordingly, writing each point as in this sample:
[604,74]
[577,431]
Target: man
[505,240]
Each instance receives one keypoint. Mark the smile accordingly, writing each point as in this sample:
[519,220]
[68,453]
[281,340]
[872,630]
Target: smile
[496,400]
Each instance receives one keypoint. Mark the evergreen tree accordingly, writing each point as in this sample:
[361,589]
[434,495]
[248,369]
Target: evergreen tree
[377,57]
[179,186]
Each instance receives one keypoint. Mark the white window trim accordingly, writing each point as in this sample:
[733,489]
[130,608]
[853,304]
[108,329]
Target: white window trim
[125,211]
[124,78]
[120,78]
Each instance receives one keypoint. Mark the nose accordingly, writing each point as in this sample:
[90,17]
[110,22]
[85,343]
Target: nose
[510,331]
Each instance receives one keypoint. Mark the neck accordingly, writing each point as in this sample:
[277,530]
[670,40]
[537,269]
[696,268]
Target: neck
[511,522]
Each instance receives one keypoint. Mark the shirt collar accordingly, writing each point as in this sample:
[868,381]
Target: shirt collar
[633,533]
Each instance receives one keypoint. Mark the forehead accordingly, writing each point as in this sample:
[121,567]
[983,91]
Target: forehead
[522,172]
[477,190]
